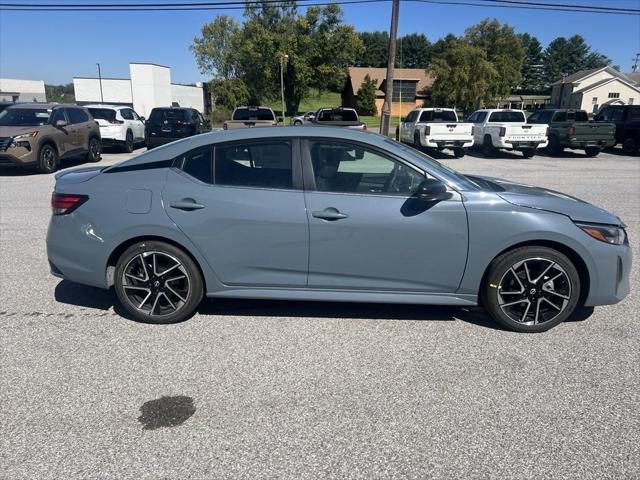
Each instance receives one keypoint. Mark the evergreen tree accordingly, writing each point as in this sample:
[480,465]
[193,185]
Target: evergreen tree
[366,99]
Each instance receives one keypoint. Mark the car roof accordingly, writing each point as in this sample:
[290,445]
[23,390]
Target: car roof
[113,107]
[179,147]
[172,108]
[39,106]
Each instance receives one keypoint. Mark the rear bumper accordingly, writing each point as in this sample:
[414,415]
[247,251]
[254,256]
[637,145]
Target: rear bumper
[448,143]
[580,144]
[520,144]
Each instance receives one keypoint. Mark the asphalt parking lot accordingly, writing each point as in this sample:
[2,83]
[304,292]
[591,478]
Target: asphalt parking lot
[250,389]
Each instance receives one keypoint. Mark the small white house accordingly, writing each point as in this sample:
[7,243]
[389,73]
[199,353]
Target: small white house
[149,86]
[590,90]
[15,90]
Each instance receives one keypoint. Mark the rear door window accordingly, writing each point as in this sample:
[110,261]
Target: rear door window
[254,164]
[197,163]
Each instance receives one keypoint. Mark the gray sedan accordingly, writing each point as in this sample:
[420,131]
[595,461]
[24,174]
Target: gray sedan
[329,214]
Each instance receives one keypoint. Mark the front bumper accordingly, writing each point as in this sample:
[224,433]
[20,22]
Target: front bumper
[610,279]
[19,156]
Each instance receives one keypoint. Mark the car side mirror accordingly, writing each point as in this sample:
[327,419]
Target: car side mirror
[142,119]
[60,123]
[280,119]
[402,119]
[432,190]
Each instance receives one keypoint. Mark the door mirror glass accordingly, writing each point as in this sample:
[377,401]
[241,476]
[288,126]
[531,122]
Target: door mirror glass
[432,190]
[61,123]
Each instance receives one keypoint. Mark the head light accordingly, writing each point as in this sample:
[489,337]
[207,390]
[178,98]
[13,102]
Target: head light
[612,234]
[25,136]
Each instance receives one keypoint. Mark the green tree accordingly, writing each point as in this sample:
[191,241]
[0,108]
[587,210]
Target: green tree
[414,51]
[375,51]
[567,56]
[366,99]
[229,93]
[60,93]
[439,47]
[503,49]
[532,68]
[318,45]
[464,76]
[214,50]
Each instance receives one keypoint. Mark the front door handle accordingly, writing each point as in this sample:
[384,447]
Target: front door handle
[329,214]
[187,204]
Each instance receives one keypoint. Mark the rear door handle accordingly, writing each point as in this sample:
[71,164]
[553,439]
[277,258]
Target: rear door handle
[187,204]
[329,214]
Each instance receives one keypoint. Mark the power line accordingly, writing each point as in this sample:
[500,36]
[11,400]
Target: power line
[240,4]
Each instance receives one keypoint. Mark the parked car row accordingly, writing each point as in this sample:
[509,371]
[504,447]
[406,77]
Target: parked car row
[491,130]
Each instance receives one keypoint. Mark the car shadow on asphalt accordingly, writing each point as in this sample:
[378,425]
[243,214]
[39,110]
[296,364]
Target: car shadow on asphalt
[13,171]
[100,299]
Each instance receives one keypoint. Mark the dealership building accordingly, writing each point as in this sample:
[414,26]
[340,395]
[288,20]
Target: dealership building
[16,90]
[149,86]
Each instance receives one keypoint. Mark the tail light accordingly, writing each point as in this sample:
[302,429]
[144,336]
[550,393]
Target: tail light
[225,126]
[427,130]
[503,131]
[546,132]
[571,131]
[63,204]
[473,130]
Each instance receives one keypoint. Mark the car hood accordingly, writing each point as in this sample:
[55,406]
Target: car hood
[548,200]
[13,131]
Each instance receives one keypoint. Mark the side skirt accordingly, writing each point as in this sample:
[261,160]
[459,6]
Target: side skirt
[347,296]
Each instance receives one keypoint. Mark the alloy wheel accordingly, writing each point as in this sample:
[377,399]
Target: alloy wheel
[156,283]
[534,290]
[49,158]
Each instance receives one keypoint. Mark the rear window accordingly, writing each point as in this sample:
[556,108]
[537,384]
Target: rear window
[507,117]
[338,116]
[444,116]
[167,115]
[253,114]
[579,116]
[103,114]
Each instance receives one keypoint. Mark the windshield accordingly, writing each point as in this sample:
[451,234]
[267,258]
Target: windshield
[253,114]
[433,116]
[103,113]
[447,173]
[24,117]
[507,117]
[338,116]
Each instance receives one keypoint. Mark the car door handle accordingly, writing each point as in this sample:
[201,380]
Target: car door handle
[329,214]
[187,204]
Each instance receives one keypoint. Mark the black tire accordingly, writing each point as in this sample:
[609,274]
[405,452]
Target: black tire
[488,150]
[416,141]
[554,147]
[128,145]
[297,123]
[397,134]
[149,147]
[48,161]
[592,151]
[528,153]
[459,152]
[502,277]
[93,154]
[630,146]
[187,292]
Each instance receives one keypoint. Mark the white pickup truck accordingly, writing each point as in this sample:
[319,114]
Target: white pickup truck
[507,129]
[436,128]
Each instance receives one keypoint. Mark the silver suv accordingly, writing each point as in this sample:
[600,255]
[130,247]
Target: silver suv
[41,134]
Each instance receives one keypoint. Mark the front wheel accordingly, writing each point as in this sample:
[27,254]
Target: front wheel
[158,283]
[128,142]
[630,146]
[47,159]
[592,151]
[459,152]
[531,289]
[93,155]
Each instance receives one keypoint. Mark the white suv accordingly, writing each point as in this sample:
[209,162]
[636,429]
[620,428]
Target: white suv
[119,125]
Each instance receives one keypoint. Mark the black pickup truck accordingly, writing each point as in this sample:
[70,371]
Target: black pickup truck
[627,121]
[572,129]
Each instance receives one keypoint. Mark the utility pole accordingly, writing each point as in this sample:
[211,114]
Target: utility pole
[636,60]
[386,106]
[100,79]
[283,60]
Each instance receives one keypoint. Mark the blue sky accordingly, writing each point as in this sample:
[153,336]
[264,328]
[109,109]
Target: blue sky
[56,46]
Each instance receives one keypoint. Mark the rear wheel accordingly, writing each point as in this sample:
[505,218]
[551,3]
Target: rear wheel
[554,147]
[128,142]
[528,153]
[459,152]
[531,289]
[297,123]
[158,283]
[416,141]
[488,149]
[592,151]
[47,159]
[93,155]
[397,134]
[630,146]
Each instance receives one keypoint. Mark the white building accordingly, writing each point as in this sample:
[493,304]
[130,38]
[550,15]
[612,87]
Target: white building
[14,90]
[149,86]
[590,90]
